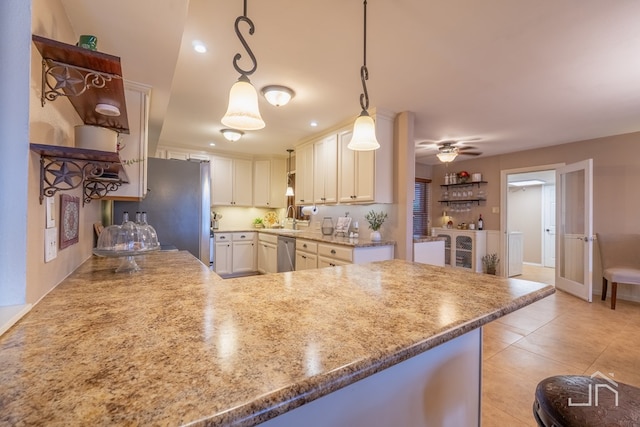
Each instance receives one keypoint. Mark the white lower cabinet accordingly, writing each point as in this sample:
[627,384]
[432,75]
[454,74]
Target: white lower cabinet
[320,255]
[463,248]
[235,253]
[267,253]
[306,255]
[223,253]
[244,253]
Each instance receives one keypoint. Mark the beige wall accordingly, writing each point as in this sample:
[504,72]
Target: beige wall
[51,124]
[525,215]
[616,170]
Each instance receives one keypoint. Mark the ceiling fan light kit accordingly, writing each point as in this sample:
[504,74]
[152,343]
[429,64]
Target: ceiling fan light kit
[243,112]
[364,128]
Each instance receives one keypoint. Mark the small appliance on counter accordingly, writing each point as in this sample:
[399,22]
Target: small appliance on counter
[215,217]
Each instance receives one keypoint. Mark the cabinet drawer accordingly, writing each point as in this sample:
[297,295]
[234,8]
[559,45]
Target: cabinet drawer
[222,237]
[269,238]
[334,251]
[307,246]
[239,237]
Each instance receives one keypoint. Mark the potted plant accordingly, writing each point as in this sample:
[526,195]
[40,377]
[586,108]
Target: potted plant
[258,223]
[490,263]
[375,220]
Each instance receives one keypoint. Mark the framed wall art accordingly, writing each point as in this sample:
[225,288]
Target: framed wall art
[69,220]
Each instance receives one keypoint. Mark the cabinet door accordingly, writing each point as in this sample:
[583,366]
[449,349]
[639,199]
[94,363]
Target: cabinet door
[133,146]
[221,179]
[278,182]
[304,174]
[272,258]
[346,169]
[267,258]
[306,261]
[262,183]
[223,256]
[325,170]
[330,262]
[243,257]
[365,176]
[242,182]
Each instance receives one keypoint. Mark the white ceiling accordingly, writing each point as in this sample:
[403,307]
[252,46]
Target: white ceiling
[511,75]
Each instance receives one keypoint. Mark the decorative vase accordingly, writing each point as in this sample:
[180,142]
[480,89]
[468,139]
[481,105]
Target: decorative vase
[375,236]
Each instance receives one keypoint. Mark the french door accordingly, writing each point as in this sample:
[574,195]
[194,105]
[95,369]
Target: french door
[574,228]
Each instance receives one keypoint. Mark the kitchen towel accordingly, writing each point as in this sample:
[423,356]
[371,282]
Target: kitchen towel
[309,210]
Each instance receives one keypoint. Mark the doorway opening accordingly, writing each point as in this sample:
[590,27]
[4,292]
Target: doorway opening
[528,221]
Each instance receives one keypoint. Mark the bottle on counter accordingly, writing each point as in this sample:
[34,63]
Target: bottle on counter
[480,223]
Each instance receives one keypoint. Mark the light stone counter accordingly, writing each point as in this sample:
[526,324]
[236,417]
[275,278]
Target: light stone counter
[174,344]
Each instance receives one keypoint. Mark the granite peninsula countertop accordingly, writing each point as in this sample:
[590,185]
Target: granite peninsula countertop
[362,241]
[175,344]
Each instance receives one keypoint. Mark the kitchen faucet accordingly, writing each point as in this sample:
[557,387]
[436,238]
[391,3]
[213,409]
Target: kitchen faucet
[293,211]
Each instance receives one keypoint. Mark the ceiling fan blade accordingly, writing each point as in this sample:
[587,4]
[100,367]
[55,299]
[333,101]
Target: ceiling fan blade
[467,153]
[466,147]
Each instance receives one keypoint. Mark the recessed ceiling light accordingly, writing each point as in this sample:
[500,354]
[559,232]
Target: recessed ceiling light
[313,124]
[198,46]
[212,144]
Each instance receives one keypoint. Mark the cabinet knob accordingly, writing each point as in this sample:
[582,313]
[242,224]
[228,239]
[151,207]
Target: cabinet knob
[304,256]
[333,251]
[304,245]
[242,236]
[332,264]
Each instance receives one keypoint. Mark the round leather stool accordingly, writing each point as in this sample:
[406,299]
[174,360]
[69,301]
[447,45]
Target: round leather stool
[583,401]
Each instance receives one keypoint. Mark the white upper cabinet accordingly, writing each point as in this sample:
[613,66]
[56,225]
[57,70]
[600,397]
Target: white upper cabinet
[304,174]
[133,146]
[325,170]
[269,183]
[231,182]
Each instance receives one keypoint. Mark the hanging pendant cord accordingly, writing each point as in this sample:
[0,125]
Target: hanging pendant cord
[364,73]
[236,58]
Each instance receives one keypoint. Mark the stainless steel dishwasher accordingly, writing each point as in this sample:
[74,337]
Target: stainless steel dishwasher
[286,253]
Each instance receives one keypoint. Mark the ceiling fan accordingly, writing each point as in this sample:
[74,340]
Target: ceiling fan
[448,150]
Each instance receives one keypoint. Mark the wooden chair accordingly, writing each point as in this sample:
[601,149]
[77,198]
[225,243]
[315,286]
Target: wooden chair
[620,256]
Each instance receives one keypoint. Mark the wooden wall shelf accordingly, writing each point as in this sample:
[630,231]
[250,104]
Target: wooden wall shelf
[87,78]
[66,168]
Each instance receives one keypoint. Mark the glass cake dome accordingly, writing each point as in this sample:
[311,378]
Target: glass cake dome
[127,240]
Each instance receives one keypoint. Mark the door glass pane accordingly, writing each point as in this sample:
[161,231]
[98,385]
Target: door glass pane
[573,227]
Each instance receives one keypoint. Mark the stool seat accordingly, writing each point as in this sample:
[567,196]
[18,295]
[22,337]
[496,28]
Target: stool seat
[570,400]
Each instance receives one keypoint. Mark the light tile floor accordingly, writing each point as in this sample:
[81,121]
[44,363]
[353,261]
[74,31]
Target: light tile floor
[558,335]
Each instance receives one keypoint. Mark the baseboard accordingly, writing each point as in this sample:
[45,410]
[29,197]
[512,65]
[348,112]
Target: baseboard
[10,314]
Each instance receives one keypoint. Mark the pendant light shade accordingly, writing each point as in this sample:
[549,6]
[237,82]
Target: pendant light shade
[289,192]
[364,129]
[242,112]
[364,134]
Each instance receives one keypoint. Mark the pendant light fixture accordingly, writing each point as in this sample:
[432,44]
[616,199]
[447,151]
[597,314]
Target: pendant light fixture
[289,191]
[448,155]
[364,129]
[242,112]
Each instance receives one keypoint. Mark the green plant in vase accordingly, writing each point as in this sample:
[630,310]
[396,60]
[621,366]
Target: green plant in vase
[490,263]
[375,220]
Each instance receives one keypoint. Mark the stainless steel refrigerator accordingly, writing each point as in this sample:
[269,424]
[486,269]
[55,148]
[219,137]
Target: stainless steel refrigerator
[177,204]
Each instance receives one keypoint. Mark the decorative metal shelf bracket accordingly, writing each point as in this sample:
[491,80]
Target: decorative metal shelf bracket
[62,173]
[60,79]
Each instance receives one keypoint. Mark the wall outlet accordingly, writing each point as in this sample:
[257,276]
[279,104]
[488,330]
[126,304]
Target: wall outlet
[50,244]
[495,209]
